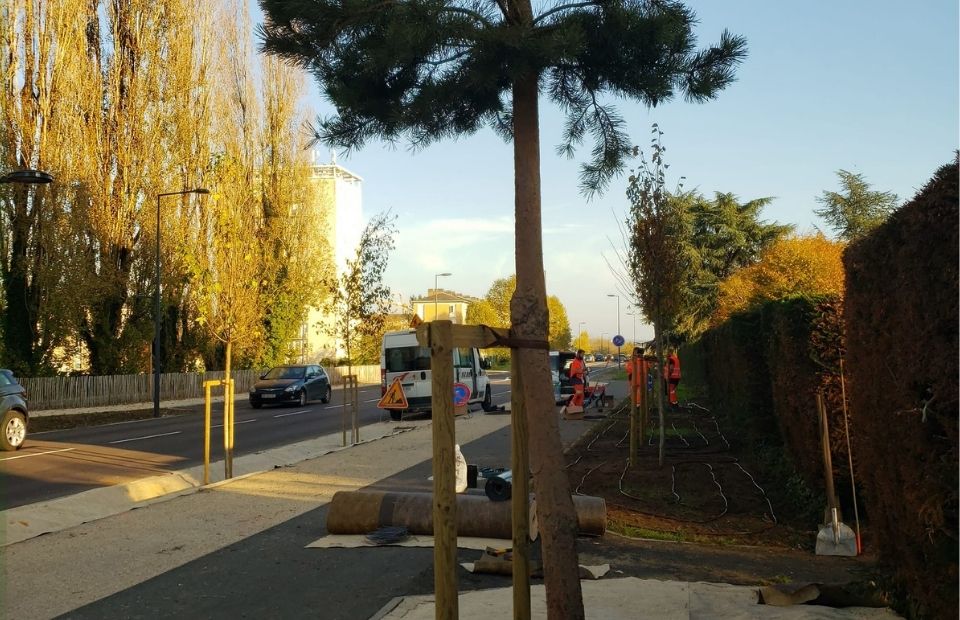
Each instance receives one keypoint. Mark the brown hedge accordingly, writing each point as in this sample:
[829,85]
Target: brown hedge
[901,321]
[805,344]
[763,370]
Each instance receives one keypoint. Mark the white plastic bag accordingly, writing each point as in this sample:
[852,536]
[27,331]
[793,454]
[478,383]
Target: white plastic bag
[461,470]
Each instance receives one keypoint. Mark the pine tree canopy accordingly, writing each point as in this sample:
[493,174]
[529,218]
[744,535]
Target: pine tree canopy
[424,70]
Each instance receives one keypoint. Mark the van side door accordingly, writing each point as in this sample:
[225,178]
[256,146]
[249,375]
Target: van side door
[465,370]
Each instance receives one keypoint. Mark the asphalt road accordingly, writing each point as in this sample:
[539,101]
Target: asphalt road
[59,463]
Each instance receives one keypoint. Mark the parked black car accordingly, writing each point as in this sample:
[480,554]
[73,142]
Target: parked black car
[13,405]
[296,384]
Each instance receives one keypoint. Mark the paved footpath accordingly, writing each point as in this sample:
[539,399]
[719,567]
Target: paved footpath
[238,549]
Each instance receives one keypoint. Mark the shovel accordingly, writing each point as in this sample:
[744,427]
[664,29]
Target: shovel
[834,537]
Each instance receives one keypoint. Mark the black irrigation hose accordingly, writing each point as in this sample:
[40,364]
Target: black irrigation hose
[726,504]
[717,426]
[762,492]
[706,441]
[680,435]
[584,479]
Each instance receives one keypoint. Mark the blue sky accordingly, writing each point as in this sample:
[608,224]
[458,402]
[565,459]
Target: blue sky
[870,87]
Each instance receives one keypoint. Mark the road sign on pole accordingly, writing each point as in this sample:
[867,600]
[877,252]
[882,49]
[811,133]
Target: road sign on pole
[394,398]
[618,340]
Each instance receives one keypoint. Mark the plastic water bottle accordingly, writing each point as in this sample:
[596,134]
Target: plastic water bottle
[461,470]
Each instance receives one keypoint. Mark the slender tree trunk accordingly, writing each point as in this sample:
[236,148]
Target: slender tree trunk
[658,335]
[528,310]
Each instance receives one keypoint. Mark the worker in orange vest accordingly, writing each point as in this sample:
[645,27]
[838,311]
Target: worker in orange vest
[637,375]
[577,371]
[671,374]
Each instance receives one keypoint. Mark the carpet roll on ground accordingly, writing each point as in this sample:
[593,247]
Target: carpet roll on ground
[359,512]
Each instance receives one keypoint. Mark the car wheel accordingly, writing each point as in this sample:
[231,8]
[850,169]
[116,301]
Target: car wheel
[256,405]
[303,397]
[396,415]
[14,427]
[487,400]
[327,395]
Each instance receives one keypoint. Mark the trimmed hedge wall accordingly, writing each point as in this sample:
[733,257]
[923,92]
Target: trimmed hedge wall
[901,321]
[763,370]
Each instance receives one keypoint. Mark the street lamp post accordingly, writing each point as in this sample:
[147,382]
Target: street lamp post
[27,177]
[24,177]
[156,317]
[603,343]
[436,278]
[634,315]
[618,325]
[580,334]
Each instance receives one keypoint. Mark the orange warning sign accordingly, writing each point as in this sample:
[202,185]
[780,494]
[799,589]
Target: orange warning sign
[415,321]
[394,397]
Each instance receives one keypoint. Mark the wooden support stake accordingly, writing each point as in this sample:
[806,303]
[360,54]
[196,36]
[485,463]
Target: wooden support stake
[206,430]
[635,382]
[520,466]
[439,339]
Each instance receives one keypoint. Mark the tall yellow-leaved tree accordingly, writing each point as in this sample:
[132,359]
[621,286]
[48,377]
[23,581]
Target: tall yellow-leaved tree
[795,265]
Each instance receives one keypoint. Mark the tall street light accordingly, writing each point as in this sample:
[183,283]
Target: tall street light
[436,278]
[618,326]
[156,317]
[22,177]
[603,342]
[580,334]
[634,315]
[27,177]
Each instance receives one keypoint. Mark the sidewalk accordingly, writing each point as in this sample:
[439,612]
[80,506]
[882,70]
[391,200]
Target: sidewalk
[237,548]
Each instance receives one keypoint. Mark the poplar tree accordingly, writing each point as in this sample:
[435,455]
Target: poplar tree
[425,70]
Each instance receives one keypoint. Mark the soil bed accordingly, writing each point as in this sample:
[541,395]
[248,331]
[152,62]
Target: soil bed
[704,492]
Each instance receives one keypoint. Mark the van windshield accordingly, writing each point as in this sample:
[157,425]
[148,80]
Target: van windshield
[403,359]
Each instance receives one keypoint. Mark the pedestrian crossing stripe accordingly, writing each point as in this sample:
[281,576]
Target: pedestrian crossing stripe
[394,398]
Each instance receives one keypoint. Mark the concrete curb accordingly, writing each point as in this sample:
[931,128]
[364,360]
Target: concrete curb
[25,522]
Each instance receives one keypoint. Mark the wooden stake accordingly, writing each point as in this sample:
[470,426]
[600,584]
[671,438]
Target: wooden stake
[439,339]
[520,466]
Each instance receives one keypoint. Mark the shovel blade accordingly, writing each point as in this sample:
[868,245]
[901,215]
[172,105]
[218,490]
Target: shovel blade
[842,542]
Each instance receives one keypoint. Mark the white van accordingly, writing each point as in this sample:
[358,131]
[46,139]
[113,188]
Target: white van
[402,357]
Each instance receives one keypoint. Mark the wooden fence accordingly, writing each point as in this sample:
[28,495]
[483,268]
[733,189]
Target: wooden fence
[82,392]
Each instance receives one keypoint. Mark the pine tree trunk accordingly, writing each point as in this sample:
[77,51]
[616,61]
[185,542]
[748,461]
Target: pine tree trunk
[529,318]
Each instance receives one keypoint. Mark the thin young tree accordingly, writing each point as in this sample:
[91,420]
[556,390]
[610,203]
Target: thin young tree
[359,301]
[425,70]
[659,254]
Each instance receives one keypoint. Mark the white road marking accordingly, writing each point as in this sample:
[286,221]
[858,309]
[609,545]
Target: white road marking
[146,437]
[235,423]
[283,415]
[23,456]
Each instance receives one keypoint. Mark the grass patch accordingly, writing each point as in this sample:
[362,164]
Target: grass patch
[642,532]
[76,420]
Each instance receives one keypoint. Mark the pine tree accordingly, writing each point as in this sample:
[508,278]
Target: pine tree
[424,70]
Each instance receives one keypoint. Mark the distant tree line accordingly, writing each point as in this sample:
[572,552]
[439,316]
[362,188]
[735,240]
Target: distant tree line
[122,101]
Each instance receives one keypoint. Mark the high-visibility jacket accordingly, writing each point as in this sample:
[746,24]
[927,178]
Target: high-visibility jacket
[577,369]
[673,367]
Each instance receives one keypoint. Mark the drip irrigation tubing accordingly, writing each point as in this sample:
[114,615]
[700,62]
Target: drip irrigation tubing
[680,435]
[709,465]
[584,479]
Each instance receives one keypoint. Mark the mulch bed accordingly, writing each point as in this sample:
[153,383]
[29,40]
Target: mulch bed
[704,492]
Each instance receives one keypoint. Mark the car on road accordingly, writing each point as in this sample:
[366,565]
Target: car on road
[13,409]
[297,384]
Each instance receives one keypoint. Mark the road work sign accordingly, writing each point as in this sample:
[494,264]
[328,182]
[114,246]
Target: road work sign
[394,398]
